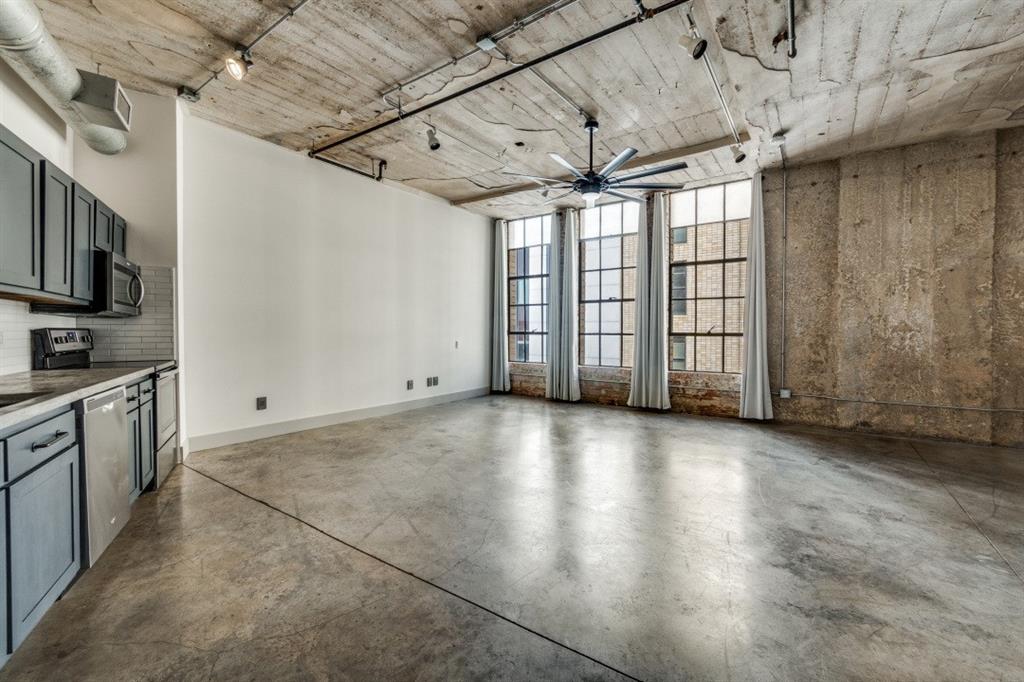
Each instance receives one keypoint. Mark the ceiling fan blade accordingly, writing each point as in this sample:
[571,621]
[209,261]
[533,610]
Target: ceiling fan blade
[569,166]
[616,163]
[623,195]
[561,196]
[650,171]
[652,185]
[536,178]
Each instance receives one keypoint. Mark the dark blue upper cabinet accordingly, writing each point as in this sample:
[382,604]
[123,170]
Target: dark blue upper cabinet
[20,224]
[104,227]
[84,219]
[120,236]
[58,192]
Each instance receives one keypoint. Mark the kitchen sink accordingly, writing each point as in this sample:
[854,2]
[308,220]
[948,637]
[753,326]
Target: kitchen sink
[8,399]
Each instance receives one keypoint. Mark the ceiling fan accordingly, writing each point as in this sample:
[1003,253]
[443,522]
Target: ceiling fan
[591,185]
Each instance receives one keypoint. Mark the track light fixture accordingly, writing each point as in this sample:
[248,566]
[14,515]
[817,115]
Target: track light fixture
[432,140]
[738,155]
[695,46]
[238,66]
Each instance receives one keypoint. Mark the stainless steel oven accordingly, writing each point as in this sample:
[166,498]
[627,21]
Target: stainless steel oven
[167,452]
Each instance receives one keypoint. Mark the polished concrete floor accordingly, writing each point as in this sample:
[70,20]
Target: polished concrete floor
[509,537]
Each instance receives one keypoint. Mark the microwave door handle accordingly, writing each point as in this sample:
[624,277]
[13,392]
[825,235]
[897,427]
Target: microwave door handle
[142,290]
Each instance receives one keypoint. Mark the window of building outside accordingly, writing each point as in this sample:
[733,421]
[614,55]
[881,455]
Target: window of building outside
[608,245]
[708,270]
[529,241]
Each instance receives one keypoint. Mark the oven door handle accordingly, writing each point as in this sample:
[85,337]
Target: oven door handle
[142,290]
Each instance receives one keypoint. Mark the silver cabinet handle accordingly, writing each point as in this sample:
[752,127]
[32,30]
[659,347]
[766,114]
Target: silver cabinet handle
[47,443]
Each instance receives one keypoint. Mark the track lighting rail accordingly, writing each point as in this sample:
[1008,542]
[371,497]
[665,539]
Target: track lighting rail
[501,34]
[648,14]
[193,94]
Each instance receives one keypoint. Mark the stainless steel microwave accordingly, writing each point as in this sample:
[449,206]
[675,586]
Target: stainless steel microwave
[118,290]
[121,290]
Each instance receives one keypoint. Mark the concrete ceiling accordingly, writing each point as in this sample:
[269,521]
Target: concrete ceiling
[867,75]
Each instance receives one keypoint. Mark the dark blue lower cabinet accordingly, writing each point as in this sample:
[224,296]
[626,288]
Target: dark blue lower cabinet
[134,447]
[45,545]
[147,463]
[5,642]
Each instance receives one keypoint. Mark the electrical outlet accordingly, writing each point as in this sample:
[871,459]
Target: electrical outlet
[408,385]
[456,345]
[261,403]
[435,381]
[430,381]
[785,393]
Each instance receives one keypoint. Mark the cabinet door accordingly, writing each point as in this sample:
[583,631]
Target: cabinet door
[20,225]
[120,236]
[83,215]
[147,465]
[4,647]
[104,227]
[133,454]
[45,551]
[58,191]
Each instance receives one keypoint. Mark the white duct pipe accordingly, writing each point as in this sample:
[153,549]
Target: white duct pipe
[34,54]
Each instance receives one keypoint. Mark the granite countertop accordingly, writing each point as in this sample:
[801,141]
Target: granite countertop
[65,386]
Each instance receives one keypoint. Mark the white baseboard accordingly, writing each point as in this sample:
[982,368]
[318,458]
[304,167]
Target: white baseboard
[216,440]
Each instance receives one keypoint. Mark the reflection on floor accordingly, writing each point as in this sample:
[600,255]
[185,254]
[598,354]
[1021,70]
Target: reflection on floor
[509,537]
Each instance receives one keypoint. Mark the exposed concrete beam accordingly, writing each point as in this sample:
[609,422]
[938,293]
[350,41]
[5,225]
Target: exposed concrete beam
[639,162]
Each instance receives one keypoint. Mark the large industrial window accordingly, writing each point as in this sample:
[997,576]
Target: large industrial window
[608,243]
[529,241]
[708,271]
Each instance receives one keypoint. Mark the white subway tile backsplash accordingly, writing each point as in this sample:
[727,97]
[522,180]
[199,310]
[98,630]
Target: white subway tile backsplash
[149,336]
[16,325]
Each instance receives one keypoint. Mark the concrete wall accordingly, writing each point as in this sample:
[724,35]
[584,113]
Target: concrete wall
[905,290]
[319,289]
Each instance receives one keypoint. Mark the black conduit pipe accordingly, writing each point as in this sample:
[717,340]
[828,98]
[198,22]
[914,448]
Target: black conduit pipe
[648,14]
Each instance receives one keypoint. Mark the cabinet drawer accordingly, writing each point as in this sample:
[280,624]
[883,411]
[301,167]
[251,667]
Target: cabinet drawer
[140,393]
[39,443]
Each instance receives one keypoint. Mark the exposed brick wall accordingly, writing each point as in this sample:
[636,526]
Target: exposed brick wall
[690,392]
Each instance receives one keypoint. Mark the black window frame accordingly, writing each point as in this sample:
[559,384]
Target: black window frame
[687,298]
[511,307]
[582,301]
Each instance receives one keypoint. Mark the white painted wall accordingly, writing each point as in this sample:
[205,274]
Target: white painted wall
[140,182]
[320,289]
[28,117]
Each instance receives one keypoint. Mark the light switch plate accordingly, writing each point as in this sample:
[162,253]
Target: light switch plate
[785,393]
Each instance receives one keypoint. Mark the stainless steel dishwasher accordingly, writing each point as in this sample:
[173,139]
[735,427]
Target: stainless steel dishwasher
[104,420]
